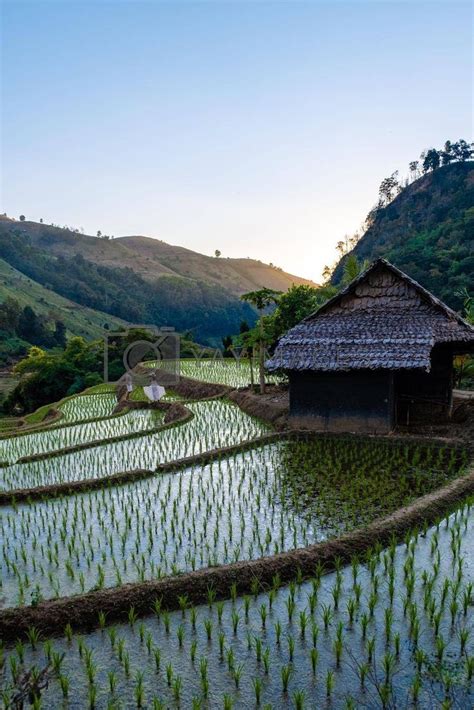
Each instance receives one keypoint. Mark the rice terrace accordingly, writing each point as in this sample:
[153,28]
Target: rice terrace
[236,355]
[278,527]
[247,573]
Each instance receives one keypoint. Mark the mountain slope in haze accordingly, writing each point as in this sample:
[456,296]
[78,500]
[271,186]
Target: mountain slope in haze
[428,232]
[140,280]
[153,259]
[206,310]
[237,275]
[79,320]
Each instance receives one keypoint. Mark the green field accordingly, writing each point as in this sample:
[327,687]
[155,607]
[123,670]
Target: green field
[79,320]
[394,629]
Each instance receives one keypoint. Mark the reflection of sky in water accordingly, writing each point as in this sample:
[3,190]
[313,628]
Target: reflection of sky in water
[346,679]
[216,424]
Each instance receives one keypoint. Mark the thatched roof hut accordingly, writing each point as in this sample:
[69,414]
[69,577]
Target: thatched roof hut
[379,352]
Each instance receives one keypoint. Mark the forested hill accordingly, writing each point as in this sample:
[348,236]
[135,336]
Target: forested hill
[427,231]
[139,280]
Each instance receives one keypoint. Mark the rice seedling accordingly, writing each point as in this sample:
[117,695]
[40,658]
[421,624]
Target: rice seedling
[329,683]
[171,524]
[268,499]
[286,672]
[298,699]
[215,424]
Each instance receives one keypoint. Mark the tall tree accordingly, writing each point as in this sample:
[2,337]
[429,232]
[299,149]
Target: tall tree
[414,166]
[431,160]
[261,299]
[388,188]
[59,334]
[10,311]
[30,327]
[447,155]
[298,303]
[462,151]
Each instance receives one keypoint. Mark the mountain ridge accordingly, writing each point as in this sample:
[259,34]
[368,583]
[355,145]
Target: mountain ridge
[153,258]
[140,280]
[427,231]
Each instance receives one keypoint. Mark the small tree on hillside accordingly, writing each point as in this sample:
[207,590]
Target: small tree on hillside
[388,188]
[431,160]
[447,155]
[353,268]
[60,334]
[261,299]
[462,151]
[414,165]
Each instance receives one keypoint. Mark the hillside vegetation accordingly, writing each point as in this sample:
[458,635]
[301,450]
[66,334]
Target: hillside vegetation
[138,279]
[87,322]
[427,231]
[31,314]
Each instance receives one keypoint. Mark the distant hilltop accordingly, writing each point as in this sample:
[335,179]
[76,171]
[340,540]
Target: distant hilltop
[427,230]
[139,279]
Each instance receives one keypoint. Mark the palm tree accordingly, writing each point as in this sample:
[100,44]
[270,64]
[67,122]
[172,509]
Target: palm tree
[261,299]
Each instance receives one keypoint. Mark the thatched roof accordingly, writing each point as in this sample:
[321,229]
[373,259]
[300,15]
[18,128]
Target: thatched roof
[382,320]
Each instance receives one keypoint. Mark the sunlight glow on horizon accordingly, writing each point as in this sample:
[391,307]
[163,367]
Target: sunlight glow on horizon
[259,129]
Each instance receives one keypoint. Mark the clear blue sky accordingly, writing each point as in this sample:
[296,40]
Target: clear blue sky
[262,129]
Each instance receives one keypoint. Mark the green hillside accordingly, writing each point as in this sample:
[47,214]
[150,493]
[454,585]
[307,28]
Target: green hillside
[140,279]
[130,282]
[79,320]
[207,310]
[428,231]
[153,259]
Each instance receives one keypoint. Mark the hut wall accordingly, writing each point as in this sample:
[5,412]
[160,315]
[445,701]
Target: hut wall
[425,396]
[358,401]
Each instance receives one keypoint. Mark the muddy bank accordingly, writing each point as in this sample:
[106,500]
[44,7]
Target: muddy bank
[194,389]
[173,410]
[461,427]
[272,407]
[21,427]
[81,611]
[185,387]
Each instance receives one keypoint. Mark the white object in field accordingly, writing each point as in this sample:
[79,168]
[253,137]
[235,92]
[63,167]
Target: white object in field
[154,392]
[129,382]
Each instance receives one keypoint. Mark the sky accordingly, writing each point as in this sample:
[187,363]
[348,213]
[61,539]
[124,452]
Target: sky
[261,129]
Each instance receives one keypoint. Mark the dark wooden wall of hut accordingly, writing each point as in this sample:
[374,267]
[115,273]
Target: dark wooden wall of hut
[358,401]
[425,396]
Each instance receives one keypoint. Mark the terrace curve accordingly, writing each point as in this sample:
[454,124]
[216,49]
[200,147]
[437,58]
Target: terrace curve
[82,610]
